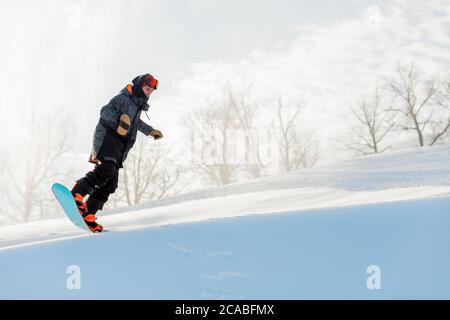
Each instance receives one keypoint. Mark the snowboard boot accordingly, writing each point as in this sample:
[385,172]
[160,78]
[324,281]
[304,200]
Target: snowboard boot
[90,221]
[93,206]
[81,205]
[89,218]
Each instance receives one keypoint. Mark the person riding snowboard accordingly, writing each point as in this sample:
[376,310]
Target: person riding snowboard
[114,136]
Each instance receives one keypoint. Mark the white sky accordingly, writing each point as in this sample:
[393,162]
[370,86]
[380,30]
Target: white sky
[75,55]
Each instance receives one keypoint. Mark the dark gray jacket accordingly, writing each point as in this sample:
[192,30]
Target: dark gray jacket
[107,143]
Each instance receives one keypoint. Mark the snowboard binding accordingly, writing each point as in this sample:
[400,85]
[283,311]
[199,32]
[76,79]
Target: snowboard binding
[88,218]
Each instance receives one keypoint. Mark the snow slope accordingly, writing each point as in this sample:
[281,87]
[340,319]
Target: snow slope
[309,234]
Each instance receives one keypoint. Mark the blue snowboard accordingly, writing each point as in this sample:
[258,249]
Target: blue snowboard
[65,199]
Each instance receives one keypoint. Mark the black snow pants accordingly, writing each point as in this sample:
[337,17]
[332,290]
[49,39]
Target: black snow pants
[99,184]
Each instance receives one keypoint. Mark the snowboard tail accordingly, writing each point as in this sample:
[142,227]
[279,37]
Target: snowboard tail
[65,199]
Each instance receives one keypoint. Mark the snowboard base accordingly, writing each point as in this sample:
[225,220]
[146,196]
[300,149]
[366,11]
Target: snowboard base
[67,203]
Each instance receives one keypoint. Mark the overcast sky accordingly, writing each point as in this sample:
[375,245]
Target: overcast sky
[75,55]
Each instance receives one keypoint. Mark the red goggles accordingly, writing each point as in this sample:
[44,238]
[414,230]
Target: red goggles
[152,83]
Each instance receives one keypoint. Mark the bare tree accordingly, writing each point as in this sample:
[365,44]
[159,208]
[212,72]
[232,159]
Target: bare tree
[298,148]
[209,127]
[32,165]
[148,174]
[442,100]
[6,214]
[373,123]
[415,96]
[246,112]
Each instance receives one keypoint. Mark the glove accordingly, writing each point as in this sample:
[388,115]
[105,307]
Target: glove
[156,134]
[124,125]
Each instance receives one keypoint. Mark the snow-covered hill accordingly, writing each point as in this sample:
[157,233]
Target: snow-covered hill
[308,234]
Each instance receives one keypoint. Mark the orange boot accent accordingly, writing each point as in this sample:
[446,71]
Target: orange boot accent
[81,205]
[90,218]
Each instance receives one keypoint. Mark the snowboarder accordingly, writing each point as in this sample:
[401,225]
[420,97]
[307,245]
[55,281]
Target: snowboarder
[114,136]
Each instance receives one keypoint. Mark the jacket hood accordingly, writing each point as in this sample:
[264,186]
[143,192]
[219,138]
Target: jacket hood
[134,91]
[137,86]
